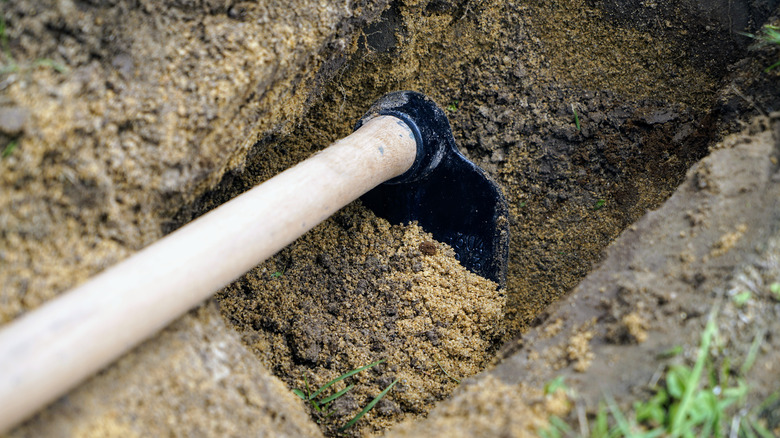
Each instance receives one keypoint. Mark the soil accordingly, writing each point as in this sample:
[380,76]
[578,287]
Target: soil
[656,288]
[122,112]
[587,113]
[356,290]
[195,378]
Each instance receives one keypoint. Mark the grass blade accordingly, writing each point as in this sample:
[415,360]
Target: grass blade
[760,429]
[327,400]
[745,430]
[752,353]
[56,66]
[561,425]
[445,372]
[368,407]
[601,428]
[549,433]
[692,383]
[9,148]
[620,419]
[344,376]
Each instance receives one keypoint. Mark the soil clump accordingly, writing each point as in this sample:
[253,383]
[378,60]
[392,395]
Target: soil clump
[355,290]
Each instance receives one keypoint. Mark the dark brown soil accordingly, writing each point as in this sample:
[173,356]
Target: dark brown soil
[660,281]
[506,74]
[571,191]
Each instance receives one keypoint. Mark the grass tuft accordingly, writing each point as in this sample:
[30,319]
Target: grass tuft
[768,35]
[321,404]
[311,397]
[686,415]
[342,377]
[694,401]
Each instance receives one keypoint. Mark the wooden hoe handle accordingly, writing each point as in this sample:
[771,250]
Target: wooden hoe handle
[50,350]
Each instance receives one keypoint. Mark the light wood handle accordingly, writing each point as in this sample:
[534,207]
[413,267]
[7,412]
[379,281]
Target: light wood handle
[50,350]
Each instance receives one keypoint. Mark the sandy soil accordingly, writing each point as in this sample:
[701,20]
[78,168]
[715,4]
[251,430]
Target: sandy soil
[123,112]
[356,290]
[659,283]
[129,122]
[194,379]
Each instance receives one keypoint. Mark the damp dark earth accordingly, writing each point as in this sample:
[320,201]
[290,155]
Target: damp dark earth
[637,144]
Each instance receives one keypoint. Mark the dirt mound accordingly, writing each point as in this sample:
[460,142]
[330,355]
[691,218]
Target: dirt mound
[356,290]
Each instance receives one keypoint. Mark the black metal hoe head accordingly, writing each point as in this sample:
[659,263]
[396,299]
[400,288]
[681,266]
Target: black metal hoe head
[448,195]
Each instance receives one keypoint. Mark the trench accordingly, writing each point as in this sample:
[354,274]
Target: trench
[586,126]
[588,114]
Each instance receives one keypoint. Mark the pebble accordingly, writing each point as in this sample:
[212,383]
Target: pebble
[13,119]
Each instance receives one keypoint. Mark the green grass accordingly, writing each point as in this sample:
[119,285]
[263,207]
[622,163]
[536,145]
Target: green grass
[312,397]
[453,107]
[774,288]
[693,401]
[9,148]
[321,403]
[54,65]
[768,35]
[599,204]
[670,353]
[278,274]
[554,385]
[741,298]
[368,407]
